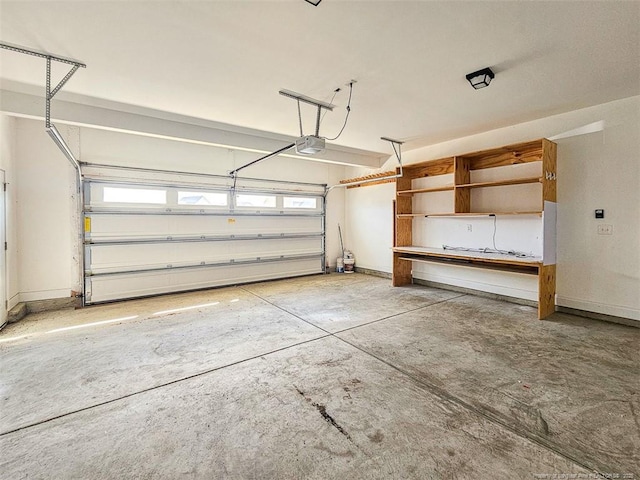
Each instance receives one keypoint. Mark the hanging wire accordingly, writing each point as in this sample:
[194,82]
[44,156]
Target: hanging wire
[346,118]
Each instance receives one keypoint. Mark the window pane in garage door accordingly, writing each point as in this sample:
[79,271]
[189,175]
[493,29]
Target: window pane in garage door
[134,195]
[203,198]
[299,202]
[243,200]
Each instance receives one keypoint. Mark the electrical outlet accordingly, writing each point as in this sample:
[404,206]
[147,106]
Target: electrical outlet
[604,229]
[469,227]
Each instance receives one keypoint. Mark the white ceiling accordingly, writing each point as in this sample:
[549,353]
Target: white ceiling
[226,60]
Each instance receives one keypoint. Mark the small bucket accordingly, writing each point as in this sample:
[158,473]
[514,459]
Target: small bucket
[349,265]
[339,265]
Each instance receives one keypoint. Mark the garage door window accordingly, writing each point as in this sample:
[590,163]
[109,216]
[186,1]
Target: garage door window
[134,195]
[215,199]
[300,202]
[260,201]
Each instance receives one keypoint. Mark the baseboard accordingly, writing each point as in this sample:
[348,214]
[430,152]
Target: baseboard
[45,295]
[477,293]
[599,316]
[597,308]
[22,309]
[17,313]
[36,306]
[373,273]
[13,301]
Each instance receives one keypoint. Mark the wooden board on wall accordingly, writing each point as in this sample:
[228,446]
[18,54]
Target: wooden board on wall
[507,155]
[546,290]
[549,183]
[370,180]
[401,271]
[462,176]
[429,169]
[404,204]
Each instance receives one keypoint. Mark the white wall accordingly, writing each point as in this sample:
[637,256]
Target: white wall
[48,263]
[7,161]
[45,185]
[598,170]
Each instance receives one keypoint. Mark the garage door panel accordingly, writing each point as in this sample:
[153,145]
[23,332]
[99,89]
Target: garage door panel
[123,257]
[115,287]
[274,225]
[114,226]
[143,239]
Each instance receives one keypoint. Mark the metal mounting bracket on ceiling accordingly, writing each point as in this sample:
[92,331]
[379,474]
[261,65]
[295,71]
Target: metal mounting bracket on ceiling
[320,105]
[398,153]
[50,93]
[300,98]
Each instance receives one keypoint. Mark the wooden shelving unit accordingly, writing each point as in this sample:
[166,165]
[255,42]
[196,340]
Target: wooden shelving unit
[405,253]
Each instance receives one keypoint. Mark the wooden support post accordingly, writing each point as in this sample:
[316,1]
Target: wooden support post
[546,290]
[549,185]
[401,271]
[404,226]
[462,176]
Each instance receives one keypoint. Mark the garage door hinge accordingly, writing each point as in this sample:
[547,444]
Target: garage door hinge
[4,185]
[5,245]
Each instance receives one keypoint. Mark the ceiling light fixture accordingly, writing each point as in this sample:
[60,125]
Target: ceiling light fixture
[313,2]
[481,78]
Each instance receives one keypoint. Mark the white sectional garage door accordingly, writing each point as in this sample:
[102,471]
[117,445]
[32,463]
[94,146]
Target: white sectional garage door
[148,233]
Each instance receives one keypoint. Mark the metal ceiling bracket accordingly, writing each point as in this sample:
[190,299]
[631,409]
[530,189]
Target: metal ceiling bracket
[318,121]
[36,53]
[305,99]
[55,134]
[49,92]
[320,105]
[398,153]
[64,80]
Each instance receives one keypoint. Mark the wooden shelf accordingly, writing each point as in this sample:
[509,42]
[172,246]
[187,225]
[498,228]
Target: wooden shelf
[406,215]
[430,169]
[498,258]
[445,188]
[500,183]
[469,214]
[481,214]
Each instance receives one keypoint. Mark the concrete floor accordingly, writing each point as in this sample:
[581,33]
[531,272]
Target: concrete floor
[337,376]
